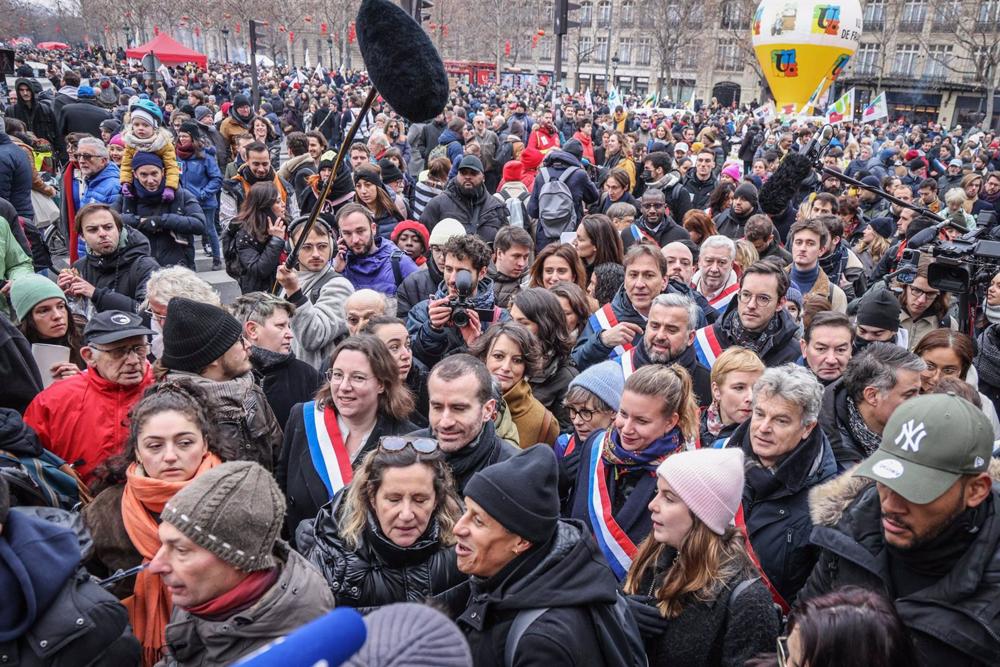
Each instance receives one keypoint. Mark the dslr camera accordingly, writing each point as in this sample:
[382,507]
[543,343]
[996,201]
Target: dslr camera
[461,305]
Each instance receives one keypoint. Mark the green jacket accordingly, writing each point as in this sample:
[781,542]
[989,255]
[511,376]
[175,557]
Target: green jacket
[14,262]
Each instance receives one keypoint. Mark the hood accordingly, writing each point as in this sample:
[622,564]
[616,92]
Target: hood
[447,136]
[560,158]
[31,86]
[17,437]
[531,158]
[571,572]
[287,170]
[36,559]
[132,246]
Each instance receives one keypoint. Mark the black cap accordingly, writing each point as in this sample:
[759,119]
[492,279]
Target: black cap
[112,326]
[879,309]
[521,493]
[196,334]
[390,172]
[471,162]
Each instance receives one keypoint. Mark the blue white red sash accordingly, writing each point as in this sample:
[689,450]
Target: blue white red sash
[565,444]
[638,233]
[721,300]
[707,346]
[326,448]
[605,319]
[627,362]
[618,549]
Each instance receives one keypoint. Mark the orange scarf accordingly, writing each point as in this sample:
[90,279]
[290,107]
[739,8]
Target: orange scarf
[149,606]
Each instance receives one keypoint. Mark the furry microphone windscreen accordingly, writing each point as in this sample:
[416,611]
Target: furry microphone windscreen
[401,60]
[781,188]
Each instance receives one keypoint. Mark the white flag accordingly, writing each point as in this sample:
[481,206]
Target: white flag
[876,110]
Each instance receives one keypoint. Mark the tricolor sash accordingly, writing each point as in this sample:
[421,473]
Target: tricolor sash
[618,549]
[605,319]
[707,346]
[566,445]
[326,447]
[638,233]
[721,300]
[741,523]
[627,362]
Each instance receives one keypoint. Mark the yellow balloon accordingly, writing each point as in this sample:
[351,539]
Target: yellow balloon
[804,46]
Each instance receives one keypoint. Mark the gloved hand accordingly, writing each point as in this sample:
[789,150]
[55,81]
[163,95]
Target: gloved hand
[168,194]
[647,616]
[147,226]
[127,190]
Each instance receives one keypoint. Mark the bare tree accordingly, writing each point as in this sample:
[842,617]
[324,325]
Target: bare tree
[735,18]
[672,24]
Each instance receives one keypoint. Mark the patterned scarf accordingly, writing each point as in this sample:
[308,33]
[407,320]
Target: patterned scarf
[647,458]
[859,429]
[713,419]
[752,340]
[988,362]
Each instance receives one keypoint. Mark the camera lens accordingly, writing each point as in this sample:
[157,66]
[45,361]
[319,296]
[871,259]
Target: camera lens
[459,317]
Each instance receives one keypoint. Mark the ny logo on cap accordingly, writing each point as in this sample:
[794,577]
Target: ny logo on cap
[912,434]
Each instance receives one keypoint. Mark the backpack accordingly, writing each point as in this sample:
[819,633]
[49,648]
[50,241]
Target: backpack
[229,252]
[612,624]
[515,209]
[441,150]
[45,480]
[556,208]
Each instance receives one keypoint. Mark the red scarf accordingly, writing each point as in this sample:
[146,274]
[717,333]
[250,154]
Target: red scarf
[67,180]
[241,596]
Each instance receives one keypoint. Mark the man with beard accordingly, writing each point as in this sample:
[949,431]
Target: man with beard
[257,169]
[656,174]
[715,278]
[756,320]
[113,273]
[654,225]
[670,328]
[366,259]
[465,199]
[545,136]
[205,344]
[872,205]
[925,534]
[732,221]
[238,121]
[952,178]
[877,321]
[416,286]
[434,333]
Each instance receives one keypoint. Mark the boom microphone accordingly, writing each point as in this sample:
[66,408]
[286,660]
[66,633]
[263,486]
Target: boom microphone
[401,60]
[329,640]
[781,188]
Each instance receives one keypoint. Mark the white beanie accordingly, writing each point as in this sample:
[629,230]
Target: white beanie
[709,481]
[445,229]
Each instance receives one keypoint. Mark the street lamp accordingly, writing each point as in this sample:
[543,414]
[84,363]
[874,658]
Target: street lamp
[329,46]
[614,69]
[225,43]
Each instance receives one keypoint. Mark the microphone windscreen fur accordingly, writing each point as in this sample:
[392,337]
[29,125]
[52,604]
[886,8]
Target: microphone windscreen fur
[784,183]
[401,60]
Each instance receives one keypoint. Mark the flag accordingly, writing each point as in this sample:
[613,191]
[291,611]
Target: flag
[690,104]
[165,73]
[876,110]
[813,100]
[764,114]
[842,109]
[615,99]
[651,100]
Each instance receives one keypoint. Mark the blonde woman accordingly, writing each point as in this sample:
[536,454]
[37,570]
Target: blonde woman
[874,243]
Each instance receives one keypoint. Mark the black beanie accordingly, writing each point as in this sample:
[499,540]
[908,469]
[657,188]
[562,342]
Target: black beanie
[196,334]
[240,100]
[879,309]
[747,192]
[192,128]
[574,148]
[521,493]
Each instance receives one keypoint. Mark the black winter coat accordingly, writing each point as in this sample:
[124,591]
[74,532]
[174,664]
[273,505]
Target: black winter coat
[833,420]
[119,279]
[258,260]
[15,178]
[417,287]
[82,116]
[304,491]
[781,348]
[568,576]
[469,460]
[953,622]
[482,215]
[377,572]
[286,381]
[21,378]
[39,116]
[700,190]
[668,232]
[776,507]
[169,226]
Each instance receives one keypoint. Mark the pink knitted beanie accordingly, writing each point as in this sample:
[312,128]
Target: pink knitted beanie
[709,481]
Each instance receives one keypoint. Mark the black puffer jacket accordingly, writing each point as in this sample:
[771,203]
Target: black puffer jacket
[776,507]
[416,287]
[169,226]
[482,213]
[120,278]
[377,572]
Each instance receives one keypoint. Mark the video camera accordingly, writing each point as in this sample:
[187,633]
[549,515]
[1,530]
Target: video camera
[461,305]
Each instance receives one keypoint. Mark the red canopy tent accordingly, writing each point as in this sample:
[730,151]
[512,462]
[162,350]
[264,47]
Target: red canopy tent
[169,51]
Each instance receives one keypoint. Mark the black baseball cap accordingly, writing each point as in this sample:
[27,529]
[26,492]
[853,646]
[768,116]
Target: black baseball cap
[471,162]
[112,326]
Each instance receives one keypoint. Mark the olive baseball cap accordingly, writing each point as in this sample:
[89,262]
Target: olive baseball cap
[929,442]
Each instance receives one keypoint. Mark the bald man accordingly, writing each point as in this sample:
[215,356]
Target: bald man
[362,306]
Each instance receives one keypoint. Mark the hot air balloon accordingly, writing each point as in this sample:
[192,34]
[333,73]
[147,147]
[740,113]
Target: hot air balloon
[803,46]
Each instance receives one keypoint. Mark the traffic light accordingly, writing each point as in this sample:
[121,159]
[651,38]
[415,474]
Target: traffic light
[562,22]
[259,42]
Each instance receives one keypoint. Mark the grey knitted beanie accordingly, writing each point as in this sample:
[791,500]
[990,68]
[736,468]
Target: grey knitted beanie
[234,510]
[411,635]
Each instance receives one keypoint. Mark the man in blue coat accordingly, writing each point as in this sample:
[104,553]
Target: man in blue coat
[365,258]
[15,177]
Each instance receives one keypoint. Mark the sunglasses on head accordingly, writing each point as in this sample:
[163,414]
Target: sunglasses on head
[395,443]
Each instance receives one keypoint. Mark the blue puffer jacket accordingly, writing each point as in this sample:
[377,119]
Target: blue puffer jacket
[374,271]
[15,177]
[202,178]
[102,188]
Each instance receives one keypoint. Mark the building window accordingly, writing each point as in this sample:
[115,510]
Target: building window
[867,59]
[584,49]
[989,13]
[545,46]
[586,14]
[644,51]
[727,56]
[627,13]
[601,50]
[604,14]
[874,15]
[938,61]
[733,15]
[905,62]
[625,51]
[913,15]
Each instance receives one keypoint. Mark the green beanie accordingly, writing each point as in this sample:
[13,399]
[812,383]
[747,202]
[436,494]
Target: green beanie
[29,291]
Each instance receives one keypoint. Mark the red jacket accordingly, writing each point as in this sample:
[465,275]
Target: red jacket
[588,146]
[84,419]
[542,140]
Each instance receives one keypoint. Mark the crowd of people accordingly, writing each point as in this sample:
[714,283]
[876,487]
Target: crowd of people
[543,384]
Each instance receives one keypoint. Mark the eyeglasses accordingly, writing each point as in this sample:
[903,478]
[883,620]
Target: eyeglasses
[585,414]
[782,651]
[395,443]
[762,299]
[918,293]
[156,316]
[87,156]
[337,377]
[119,353]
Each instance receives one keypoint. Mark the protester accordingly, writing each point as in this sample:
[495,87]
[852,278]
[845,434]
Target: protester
[44,318]
[827,344]
[733,377]
[509,266]
[365,258]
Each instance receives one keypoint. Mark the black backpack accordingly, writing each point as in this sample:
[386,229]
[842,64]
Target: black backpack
[230,254]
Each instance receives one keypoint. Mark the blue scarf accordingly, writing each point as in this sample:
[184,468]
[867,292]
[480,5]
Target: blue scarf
[143,193]
[644,459]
